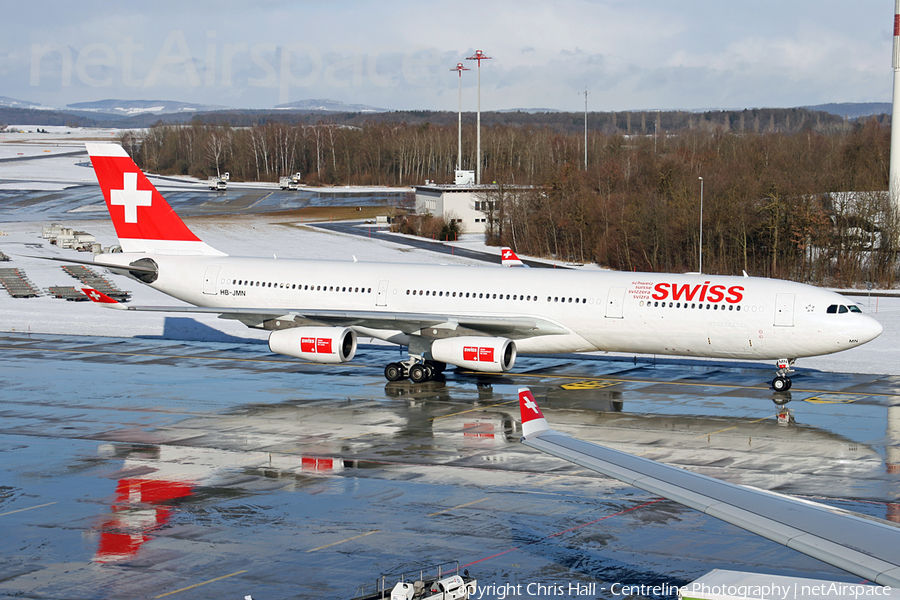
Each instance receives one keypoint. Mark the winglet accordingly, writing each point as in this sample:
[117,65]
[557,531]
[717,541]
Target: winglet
[102,299]
[533,421]
[508,258]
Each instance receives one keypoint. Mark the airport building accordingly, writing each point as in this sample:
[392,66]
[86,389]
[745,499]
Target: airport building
[474,207]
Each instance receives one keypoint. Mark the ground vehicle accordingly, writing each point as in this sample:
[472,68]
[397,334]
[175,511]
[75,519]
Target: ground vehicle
[291,182]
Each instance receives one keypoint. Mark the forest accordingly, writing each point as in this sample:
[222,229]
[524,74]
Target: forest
[786,194]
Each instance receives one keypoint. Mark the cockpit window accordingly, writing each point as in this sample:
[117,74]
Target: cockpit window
[840,308]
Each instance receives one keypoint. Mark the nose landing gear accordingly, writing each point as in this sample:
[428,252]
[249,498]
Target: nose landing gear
[782,382]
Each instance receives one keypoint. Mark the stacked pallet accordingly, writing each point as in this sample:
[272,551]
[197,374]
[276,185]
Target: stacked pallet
[70,293]
[91,278]
[18,286]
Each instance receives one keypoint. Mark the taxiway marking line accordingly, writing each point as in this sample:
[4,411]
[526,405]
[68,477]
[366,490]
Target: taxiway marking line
[558,477]
[149,355]
[12,512]
[732,427]
[440,512]
[355,537]
[685,383]
[190,587]
[474,410]
[359,366]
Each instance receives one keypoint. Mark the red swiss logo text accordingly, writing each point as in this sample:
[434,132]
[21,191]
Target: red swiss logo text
[698,292]
[474,353]
[315,345]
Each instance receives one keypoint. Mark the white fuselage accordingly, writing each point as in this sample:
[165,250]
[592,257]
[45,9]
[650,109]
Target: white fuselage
[651,313]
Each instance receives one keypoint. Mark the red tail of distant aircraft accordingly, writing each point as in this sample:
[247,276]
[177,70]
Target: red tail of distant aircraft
[508,258]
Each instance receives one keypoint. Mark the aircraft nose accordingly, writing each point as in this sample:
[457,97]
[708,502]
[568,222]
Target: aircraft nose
[871,329]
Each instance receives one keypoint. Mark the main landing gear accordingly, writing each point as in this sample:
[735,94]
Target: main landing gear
[782,382]
[417,371]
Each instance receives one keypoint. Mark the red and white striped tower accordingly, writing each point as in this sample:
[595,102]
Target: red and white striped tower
[480,56]
[459,69]
[894,183]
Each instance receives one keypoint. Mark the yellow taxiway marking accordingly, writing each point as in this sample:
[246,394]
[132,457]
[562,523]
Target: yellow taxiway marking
[582,379]
[590,384]
[12,512]
[829,398]
[350,539]
[462,412]
[440,512]
[732,427]
[190,587]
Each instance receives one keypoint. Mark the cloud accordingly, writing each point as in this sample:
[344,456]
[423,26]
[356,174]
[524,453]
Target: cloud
[630,55]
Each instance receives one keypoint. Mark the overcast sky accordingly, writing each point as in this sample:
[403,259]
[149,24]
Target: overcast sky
[653,54]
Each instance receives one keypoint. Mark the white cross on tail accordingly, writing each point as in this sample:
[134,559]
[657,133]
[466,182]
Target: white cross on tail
[130,197]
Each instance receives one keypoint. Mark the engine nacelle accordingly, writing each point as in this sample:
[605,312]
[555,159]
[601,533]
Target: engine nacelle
[491,355]
[315,344]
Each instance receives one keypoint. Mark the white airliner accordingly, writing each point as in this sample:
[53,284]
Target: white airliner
[862,545]
[476,318]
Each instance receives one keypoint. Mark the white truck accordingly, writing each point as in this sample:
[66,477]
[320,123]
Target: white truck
[219,184]
[291,182]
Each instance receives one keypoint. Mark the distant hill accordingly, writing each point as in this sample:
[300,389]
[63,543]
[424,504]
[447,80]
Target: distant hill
[530,111]
[128,108]
[8,102]
[854,110]
[328,106]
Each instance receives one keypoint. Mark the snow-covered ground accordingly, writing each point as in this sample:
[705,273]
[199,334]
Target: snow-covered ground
[255,235]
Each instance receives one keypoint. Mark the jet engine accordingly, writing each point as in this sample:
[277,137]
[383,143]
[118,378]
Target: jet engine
[487,354]
[315,344]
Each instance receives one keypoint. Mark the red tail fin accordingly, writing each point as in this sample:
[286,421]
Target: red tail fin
[143,219]
[101,298]
[508,258]
[533,420]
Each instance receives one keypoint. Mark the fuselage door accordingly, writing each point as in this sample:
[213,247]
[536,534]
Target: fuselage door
[210,279]
[614,302]
[784,310]
[381,299]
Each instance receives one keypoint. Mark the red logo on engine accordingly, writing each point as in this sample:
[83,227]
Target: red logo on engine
[315,345]
[477,354]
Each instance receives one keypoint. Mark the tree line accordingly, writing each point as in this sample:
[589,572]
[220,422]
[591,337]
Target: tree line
[786,194]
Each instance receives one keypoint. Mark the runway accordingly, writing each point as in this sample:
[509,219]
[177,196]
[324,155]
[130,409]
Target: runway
[151,468]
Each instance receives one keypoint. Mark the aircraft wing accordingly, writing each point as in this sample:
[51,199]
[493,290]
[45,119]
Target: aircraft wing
[410,323]
[858,544]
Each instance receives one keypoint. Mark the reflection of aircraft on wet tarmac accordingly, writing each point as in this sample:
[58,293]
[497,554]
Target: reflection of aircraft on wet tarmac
[160,476]
[476,318]
[861,545]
